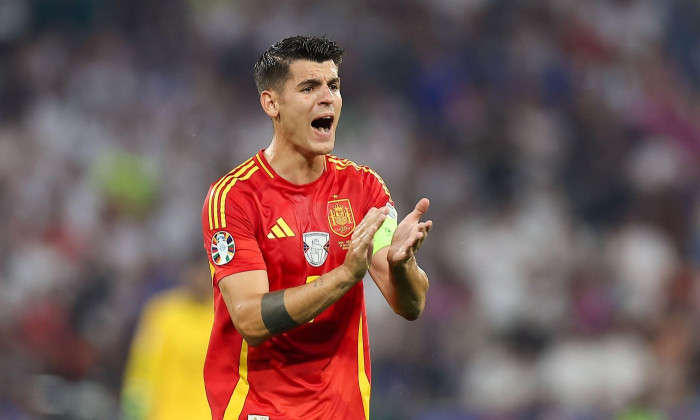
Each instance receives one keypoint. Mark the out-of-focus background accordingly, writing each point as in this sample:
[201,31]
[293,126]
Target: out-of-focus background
[558,141]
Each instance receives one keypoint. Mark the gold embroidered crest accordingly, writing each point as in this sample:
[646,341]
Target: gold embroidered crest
[340,217]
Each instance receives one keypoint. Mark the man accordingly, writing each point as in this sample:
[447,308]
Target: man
[289,339]
[162,375]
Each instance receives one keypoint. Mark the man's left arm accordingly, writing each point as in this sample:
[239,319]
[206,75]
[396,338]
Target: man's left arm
[394,268]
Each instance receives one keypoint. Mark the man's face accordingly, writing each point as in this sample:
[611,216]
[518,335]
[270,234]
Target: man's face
[309,107]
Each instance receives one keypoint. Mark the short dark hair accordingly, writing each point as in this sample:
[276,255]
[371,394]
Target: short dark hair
[272,68]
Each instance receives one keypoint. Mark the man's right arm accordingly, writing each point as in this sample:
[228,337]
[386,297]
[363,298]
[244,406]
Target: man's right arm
[259,314]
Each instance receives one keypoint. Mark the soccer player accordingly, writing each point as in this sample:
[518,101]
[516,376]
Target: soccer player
[290,233]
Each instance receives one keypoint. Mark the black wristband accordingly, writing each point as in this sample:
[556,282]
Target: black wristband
[274,314]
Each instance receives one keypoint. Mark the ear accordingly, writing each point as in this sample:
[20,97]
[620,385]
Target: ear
[269,101]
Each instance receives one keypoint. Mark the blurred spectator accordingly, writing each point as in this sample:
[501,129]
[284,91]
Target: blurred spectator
[163,377]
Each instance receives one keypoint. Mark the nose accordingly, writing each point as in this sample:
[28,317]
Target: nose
[325,95]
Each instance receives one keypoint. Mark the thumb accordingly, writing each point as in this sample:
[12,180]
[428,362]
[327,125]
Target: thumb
[420,209]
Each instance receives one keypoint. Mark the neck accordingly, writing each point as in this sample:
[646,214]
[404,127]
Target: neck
[294,166]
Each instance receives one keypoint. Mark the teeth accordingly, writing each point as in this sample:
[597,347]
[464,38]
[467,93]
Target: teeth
[325,125]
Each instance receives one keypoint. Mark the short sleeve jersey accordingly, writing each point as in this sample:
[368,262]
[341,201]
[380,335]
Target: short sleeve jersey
[253,219]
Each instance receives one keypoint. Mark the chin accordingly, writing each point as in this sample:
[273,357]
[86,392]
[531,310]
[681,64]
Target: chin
[326,149]
[323,147]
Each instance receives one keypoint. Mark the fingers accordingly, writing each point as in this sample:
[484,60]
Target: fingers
[360,252]
[428,225]
[410,234]
[415,239]
[362,239]
[421,233]
[364,232]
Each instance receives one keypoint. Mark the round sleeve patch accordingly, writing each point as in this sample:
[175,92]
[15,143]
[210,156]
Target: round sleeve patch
[222,247]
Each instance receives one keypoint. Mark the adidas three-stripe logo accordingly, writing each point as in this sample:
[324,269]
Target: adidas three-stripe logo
[280,230]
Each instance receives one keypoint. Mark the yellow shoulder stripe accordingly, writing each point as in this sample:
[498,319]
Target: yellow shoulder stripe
[223,196]
[215,196]
[342,164]
[214,192]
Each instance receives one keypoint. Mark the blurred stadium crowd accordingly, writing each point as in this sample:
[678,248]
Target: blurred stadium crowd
[558,141]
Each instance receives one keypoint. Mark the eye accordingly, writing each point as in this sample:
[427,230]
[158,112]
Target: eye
[334,86]
[307,89]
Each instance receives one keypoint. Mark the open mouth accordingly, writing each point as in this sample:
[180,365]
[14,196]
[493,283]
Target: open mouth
[323,124]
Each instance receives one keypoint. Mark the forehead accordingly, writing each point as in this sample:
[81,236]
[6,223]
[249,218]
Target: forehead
[300,70]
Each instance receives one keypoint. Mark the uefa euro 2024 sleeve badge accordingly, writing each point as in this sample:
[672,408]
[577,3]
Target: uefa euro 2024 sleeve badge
[222,247]
[316,246]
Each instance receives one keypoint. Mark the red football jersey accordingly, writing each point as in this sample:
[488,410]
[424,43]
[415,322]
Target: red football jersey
[253,219]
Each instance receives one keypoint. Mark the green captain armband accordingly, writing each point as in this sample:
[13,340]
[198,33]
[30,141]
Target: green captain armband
[386,231]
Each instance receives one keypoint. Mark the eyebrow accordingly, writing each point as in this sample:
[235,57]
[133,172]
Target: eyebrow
[317,82]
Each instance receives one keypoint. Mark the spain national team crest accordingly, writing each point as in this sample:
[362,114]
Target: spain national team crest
[340,217]
[222,247]
[316,247]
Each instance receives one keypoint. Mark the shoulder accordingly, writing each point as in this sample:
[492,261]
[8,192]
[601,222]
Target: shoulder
[236,189]
[249,176]
[364,173]
[341,164]
[244,172]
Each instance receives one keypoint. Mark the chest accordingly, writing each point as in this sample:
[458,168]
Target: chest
[303,235]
